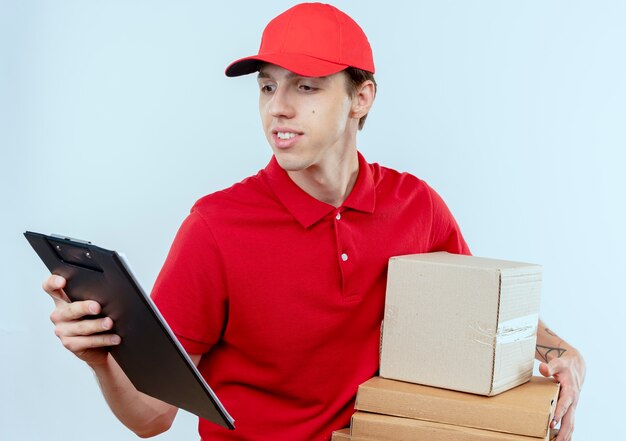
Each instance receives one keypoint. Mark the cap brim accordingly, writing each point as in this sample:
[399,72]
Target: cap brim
[300,64]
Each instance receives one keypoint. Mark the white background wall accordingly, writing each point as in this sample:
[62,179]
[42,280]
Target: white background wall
[116,116]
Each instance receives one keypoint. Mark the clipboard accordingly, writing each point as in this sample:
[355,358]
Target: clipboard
[149,354]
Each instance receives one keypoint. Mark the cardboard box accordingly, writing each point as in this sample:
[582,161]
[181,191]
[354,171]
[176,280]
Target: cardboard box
[345,435]
[341,435]
[377,427]
[460,322]
[524,410]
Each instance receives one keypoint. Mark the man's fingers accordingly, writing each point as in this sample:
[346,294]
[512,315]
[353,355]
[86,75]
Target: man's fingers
[555,368]
[567,426]
[545,370]
[562,407]
[83,327]
[54,285]
[74,311]
[80,344]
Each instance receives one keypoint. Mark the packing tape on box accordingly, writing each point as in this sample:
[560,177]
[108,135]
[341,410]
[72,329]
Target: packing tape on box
[517,329]
[481,333]
[510,331]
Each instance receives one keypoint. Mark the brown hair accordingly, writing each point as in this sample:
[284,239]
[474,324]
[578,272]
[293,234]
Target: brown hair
[356,77]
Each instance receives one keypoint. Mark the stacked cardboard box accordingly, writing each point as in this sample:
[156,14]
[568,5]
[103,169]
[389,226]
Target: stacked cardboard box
[464,323]
[344,435]
[464,328]
[390,410]
[396,410]
[341,435]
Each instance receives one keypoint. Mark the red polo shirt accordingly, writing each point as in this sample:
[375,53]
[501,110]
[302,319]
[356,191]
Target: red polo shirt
[284,294]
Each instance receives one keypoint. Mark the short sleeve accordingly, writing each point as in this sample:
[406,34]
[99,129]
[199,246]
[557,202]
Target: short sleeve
[190,290]
[445,232]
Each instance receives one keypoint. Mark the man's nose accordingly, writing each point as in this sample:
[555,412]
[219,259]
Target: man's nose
[281,105]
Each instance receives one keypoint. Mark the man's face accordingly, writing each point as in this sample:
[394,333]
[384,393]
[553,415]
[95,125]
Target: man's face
[306,120]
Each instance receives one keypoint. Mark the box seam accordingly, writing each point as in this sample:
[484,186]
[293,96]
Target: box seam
[494,343]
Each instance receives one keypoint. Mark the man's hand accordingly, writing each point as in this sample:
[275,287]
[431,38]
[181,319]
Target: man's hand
[86,337]
[567,366]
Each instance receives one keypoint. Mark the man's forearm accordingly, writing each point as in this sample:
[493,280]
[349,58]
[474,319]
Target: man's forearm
[550,345]
[144,415]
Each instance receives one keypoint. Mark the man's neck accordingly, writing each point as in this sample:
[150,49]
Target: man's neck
[331,183]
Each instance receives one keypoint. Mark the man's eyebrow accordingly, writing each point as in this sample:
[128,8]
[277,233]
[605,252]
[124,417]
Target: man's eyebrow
[289,75]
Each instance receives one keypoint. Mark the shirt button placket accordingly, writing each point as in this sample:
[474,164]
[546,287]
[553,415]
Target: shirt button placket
[344,256]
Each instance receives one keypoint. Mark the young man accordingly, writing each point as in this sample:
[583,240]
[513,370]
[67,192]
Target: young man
[275,286]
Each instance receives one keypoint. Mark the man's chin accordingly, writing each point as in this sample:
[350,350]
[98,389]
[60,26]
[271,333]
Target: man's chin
[290,164]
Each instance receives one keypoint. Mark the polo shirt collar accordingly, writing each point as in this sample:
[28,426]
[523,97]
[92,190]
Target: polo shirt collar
[308,210]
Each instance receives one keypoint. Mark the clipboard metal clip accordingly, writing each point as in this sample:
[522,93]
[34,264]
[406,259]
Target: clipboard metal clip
[63,237]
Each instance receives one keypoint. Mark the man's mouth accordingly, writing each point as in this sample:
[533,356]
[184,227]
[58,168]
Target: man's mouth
[286,135]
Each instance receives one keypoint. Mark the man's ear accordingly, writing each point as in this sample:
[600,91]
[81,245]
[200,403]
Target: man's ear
[363,99]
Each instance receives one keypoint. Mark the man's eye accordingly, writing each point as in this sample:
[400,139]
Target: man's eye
[267,88]
[306,88]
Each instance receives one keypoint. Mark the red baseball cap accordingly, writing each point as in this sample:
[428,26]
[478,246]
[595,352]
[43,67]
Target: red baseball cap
[312,40]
